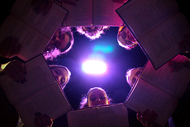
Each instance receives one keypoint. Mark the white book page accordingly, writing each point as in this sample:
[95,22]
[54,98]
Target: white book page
[174,83]
[38,77]
[47,24]
[50,101]
[161,44]
[83,118]
[112,116]
[33,43]
[145,96]
[79,15]
[104,13]
[144,15]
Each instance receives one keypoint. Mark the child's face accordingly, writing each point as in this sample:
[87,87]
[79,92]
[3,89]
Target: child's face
[126,38]
[134,76]
[61,75]
[97,97]
[60,42]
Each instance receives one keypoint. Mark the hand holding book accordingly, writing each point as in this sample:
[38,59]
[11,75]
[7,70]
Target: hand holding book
[178,62]
[16,70]
[147,118]
[159,90]
[43,120]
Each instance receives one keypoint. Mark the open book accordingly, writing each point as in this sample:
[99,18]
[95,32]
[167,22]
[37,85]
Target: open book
[93,12]
[40,93]
[115,115]
[33,31]
[158,90]
[158,27]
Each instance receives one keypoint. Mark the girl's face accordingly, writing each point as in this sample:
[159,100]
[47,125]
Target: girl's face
[126,38]
[61,75]
[134,76]
[59,40]
[97,97]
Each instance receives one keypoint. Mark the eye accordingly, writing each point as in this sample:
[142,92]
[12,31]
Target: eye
[62,37]
[62,80]
[137,73]
[133,80]
[128,42]
[56,72]
[93,99]
[102,98]
[123,35]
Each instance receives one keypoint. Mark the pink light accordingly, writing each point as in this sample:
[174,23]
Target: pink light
[94,67]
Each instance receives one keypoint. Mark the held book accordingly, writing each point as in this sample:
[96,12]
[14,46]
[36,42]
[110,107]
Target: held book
[158,27]
[114,115]
[33,30]
[40,93]
[93,12]
[158,90]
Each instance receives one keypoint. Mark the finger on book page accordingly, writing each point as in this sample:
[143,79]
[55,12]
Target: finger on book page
[144,116]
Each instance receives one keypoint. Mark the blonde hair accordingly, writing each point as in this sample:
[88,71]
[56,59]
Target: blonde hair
[129,74]
[84,99]
[120,39]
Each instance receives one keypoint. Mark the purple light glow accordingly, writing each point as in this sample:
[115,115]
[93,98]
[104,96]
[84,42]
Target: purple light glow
[94,67]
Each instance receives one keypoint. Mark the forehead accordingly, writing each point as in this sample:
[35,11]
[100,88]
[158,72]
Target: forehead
[133,72]
[62,70]
[96,92]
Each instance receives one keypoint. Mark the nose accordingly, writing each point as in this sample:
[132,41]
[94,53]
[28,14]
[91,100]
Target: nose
[98,99]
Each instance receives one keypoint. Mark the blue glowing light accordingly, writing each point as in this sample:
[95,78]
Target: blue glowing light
[104,49]
[94,67]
